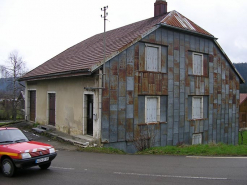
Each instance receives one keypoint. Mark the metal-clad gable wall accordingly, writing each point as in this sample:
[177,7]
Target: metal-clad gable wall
[127,84]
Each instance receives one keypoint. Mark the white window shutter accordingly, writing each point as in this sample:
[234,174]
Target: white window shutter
[196,139]
[197,64]
[197,107]
[151,109]
[152,58]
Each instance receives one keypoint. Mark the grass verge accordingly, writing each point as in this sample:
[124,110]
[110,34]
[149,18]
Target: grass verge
[200,150]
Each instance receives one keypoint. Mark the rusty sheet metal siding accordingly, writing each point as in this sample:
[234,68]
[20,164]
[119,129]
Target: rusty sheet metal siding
[114,63]
[128,83]
[122,97]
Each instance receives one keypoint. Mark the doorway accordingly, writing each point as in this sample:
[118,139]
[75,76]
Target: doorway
[90,114]
[52,99]
[32,105]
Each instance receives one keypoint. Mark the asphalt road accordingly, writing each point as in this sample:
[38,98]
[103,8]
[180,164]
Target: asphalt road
[76,168]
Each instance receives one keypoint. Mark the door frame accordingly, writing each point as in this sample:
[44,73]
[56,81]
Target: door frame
[85,101]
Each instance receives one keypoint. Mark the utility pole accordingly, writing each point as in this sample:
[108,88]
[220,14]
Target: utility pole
[104,78]
[104,16]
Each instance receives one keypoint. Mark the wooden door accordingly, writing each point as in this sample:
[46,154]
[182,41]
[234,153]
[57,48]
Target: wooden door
[32,105]
[52,98]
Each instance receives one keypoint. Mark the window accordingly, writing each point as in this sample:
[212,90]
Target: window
[152,109]
[153,58]
[197,64]
[196,139]
[197,107]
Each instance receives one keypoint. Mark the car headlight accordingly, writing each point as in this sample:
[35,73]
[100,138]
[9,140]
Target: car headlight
[52,150]
[25,155]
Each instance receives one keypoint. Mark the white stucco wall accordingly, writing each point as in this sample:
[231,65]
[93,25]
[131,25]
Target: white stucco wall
[70,103]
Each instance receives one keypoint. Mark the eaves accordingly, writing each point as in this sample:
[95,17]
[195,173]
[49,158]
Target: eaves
[65,74]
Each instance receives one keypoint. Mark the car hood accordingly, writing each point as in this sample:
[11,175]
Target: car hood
[27,146]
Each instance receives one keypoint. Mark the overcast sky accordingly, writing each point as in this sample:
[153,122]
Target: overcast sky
[41,29]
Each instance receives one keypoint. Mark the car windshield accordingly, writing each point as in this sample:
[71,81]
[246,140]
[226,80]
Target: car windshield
[12,136]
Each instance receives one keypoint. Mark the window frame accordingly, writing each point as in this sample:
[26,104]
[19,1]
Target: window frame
[201,107]
[159,57]
[157,110]
[193,63]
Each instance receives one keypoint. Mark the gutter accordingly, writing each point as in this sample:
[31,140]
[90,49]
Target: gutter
[57,75]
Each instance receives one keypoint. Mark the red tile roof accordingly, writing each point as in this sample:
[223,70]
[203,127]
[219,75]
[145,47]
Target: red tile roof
[243,97]
[89,54]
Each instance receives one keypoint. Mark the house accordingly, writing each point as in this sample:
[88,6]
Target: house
[21,102]
[164,79]
[243,111]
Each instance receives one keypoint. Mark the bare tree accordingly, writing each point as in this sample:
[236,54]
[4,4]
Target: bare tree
[14,69]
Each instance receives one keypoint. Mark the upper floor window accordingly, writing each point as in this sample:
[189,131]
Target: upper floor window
[153,58]
[197,64]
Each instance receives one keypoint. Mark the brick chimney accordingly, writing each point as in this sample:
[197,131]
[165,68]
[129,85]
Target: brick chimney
[160,7]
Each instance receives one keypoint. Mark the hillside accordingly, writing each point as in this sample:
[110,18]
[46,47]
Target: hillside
[3,84]
[242,69]
[6,85]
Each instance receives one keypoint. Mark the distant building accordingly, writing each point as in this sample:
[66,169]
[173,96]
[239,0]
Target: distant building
[21,101]
[243,111]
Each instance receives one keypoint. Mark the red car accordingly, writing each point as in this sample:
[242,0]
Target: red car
[16,151]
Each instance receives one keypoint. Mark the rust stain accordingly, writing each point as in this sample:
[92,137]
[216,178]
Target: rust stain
[122,75]
[130,99]
[114,68]
[105,104]
[105,92]
[114,97]
[129,125]
[151,78]
[145,85]
[176,78]
[152,37]
[152,89]
[130,70]
[211,58]
[136,68]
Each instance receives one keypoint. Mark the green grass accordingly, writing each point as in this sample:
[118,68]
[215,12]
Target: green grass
[244,138]
[200,150]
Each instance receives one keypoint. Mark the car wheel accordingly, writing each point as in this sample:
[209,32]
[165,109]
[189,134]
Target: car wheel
[8,167]
[45,166]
